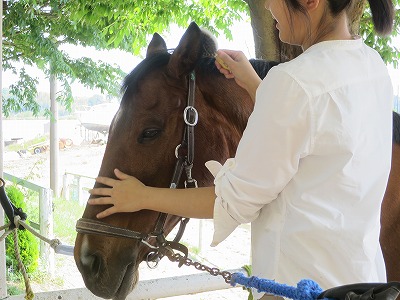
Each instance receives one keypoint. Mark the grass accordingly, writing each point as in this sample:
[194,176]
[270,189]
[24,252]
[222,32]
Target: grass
[65,215]
[27,144]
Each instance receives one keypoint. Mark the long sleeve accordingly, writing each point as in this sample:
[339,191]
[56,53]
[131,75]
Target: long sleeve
[262,167]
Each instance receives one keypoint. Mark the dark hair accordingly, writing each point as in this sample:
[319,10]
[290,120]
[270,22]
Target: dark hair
[382,15]
[382,12]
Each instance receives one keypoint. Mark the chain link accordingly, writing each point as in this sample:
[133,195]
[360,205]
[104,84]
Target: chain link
[182,260]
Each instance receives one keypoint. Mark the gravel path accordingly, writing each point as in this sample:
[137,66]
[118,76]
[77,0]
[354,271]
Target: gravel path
[85,160]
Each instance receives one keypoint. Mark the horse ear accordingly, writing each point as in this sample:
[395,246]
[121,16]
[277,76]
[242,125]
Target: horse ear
[157,45]
[188,52]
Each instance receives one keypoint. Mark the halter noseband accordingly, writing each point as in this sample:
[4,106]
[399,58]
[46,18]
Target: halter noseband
[184,153]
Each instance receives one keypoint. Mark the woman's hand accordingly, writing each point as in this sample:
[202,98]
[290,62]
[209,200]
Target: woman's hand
[239,68]
[125,194]
[128,194]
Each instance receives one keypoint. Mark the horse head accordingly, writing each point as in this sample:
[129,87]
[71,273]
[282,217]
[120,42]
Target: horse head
[143,138]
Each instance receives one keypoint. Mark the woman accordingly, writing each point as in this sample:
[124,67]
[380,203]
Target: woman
[313,183]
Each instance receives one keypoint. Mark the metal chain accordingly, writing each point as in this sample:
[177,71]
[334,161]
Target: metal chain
[182,260]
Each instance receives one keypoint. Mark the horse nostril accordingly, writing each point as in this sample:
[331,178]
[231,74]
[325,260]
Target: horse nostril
[96,264]
[92,264]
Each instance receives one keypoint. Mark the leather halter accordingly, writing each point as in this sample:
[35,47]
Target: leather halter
[184,153]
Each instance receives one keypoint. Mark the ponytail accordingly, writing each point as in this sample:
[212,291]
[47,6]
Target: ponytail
[382,15]
[382,12]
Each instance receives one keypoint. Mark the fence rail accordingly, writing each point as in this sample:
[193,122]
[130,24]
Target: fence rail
[45,218]
[149,289]
[76,186]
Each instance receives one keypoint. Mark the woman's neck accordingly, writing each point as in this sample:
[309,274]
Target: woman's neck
[336,28]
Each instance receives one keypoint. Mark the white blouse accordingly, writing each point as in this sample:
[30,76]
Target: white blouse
[311,169]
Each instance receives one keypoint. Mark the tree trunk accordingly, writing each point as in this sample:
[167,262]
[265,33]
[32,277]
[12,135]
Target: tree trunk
[355,13]
[266,40]
[266,36]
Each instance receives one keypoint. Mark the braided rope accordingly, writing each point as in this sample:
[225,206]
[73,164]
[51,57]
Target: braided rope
[305,290]
[6,232]
[28,289]
[52,242]
[4,226]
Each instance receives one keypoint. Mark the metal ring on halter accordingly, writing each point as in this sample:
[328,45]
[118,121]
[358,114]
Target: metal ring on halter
[177,149]
[152,263]
[185,116]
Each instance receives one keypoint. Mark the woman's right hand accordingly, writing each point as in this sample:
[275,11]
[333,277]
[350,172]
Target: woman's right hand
[240,69]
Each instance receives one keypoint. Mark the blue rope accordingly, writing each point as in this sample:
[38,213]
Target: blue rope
[306,289]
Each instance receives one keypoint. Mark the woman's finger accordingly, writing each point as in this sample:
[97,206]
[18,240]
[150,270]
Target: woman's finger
[106,180]
[100,201]
[121,175]
[106,213]
[100,191]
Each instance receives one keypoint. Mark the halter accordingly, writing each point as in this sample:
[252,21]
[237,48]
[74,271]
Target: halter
[184,154]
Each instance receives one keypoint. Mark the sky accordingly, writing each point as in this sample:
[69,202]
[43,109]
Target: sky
[242,40]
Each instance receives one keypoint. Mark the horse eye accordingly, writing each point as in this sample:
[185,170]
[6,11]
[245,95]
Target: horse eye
[149,134]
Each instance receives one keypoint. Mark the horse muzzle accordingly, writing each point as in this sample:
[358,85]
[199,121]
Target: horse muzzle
[105,278]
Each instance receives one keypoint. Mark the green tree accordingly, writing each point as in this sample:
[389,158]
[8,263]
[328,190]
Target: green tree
[127,24]
[33,31]
[384,45]
[268,46]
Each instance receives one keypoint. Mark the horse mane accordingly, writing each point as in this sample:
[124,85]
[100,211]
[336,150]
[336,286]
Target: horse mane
[205,64]
[262,67]
[396,128]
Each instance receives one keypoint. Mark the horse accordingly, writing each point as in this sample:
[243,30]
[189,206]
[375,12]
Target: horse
[148,138]
[390,210]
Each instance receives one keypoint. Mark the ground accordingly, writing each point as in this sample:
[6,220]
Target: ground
[85,160]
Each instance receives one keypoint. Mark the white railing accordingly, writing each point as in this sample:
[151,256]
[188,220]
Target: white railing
[75,187]
[45,218]
[149,289]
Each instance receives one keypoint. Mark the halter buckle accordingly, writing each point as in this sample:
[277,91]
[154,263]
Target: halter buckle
[191,183]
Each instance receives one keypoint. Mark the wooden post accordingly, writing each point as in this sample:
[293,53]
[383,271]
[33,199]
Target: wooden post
[54,147]
[46,228]
[65,190]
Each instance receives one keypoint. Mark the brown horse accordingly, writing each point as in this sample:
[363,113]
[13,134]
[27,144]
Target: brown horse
[390,225]
[143,141]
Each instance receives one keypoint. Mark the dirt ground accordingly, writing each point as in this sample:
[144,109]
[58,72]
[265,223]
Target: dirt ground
[85,160]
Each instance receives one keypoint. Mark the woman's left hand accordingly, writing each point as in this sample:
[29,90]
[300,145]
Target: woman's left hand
[125,194]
